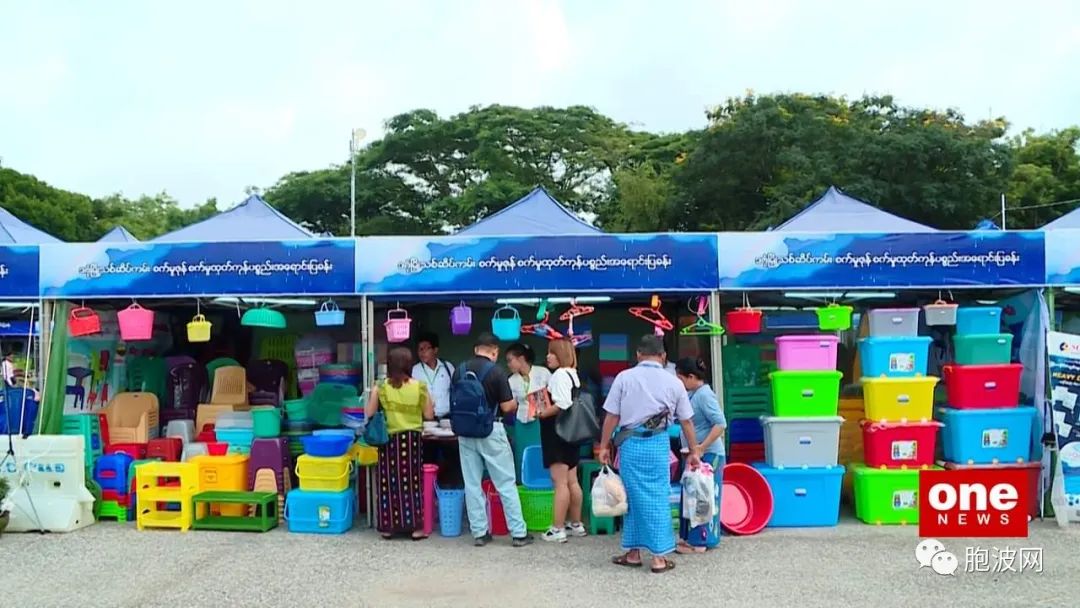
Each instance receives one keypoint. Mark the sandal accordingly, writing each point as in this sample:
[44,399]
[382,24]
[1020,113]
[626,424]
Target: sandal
[388,537]
[419,536]
[668,565]
[623,560]
[688,549]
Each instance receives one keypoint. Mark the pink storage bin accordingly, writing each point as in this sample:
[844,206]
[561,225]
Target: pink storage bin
[810,353]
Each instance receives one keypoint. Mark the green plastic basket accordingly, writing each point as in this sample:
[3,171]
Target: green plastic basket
[537,508]
[834,317]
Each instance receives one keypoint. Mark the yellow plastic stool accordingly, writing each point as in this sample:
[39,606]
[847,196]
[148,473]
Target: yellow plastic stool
[151,493]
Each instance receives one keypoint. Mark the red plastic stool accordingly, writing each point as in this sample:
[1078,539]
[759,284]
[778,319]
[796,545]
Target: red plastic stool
[167,449]
[431,473]
[137,451]
[496,515]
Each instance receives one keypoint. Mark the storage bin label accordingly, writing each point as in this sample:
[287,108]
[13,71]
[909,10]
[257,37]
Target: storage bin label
[904,499]
[905,450]
[995,438]
[902,362]
[324,516]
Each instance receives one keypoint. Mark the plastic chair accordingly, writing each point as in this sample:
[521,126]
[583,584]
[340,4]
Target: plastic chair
[216,364]
[132,417]
[186,386]
[267,376]
[148,375]
[230,386]
[78,374]
[534,475]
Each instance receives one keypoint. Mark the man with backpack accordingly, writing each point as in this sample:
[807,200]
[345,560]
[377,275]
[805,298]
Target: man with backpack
[479,396]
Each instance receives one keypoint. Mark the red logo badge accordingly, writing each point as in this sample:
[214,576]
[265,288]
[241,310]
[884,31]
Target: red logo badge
[976,503]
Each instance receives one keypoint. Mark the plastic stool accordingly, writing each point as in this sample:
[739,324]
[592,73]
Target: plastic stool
[184,429]
[534,475]
[194,449]
[167,449]
[431,473]
[589,469]
[496,514]
[111,472]
[451,511]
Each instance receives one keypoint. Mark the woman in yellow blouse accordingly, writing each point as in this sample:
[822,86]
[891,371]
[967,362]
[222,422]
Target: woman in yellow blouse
[406,403]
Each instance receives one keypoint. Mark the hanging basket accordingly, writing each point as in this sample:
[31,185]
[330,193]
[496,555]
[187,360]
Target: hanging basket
[198,329]
[460,320]
[506,324]
[744,321]
[136,323]
[940,313]
[834,317]
[398,325]
[329,315]
[83,321]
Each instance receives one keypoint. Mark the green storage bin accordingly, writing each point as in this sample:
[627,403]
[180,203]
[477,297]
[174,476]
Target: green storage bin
[886,496]
[983,349]
[805,393]
[834,317]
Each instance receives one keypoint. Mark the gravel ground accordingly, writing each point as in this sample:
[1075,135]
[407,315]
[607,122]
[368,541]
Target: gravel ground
[113,565]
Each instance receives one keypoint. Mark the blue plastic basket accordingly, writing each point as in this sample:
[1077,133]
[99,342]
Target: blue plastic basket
[533,474]
[451,510]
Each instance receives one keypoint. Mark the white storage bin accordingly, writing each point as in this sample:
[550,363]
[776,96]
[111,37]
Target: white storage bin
[802,442]
[899,322]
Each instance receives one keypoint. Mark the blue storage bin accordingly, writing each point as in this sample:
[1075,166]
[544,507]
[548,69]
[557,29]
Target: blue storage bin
[978,320]
[451,510]
[986,436]
[745,430]
[319,512]
[534,475]
[235,436]
[804,497]
[894,357]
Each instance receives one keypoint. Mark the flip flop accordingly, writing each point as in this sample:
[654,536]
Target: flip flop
[622,560]
[668,565]
[684,549]
[421,537]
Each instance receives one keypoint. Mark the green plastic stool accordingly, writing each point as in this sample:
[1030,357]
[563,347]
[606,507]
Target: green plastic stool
[113,510]
[589,469]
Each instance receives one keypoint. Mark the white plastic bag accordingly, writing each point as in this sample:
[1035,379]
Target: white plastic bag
[608,494]
[698,490]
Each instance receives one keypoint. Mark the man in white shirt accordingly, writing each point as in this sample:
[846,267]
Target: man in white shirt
[434,372]
[7,370]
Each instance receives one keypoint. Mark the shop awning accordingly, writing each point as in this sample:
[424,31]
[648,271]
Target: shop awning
[118,234]
[536,213]
[252,220]
[838,212]
[14,231]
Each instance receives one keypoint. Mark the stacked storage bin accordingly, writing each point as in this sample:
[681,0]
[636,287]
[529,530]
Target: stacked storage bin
[802,437]
[899,433]
[984,425]
[746,400]
[323,504]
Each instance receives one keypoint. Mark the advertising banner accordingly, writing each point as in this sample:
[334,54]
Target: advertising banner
[779,260]
[315,267]
[18,271]
[601,263]
[1062,257]
[1064,356]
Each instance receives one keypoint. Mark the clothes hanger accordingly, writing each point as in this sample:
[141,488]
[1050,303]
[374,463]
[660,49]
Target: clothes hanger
[701,326]
[542,329]
[652,314]
[576,310]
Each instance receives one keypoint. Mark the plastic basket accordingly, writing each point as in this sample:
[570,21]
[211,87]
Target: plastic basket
[398,325]
[940,313]
[834,317]
[536,508]
[744,321]
[506,324]
[83,322]
[329,315]
[451,511]
[460,320]
[136,323]
[198,329]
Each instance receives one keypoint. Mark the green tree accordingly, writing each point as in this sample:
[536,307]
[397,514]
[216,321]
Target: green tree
[147,216]
[66,215]
[1047,172]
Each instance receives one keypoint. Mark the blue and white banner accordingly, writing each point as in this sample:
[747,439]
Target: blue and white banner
[1062,257]
[18,271]
[601,263]
[778,260]
[315,267]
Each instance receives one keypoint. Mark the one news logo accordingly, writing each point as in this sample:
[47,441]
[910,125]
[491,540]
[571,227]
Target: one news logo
[974,503]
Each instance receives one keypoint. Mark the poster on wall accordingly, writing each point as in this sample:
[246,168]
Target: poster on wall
[317,267]
[18,271]
[1064,357]
[601,263]
[779,260]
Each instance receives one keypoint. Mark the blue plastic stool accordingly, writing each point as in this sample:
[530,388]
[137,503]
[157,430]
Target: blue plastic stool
[534,476]
[111,472]
[451,511]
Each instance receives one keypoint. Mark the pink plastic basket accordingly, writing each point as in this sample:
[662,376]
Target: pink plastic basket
[136,323]
[398,325]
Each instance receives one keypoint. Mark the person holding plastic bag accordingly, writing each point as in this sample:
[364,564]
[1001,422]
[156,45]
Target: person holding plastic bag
[696,536]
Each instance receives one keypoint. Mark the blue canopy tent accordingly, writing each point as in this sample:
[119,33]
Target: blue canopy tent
[14,231]
[838,212]
[252,220]
[536,213]
[1069,220]
[987,225]
[118,234]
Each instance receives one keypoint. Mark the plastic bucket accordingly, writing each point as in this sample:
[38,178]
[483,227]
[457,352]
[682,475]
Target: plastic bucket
[198,329]
[431,475]
[460,320]
[267,421]
[451,511]
[834,317]
[83,322]
[296,409]
[744,321]
[398,325]
[496,515]
[506,324]
[136,323]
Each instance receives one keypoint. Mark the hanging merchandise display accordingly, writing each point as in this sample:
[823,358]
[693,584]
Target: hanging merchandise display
[398,325]
[506,324]
[745,319]
[542,329]
[136,323]
[576,310]
[653,315]
[83,322]
[461,319]
[329,315]
[834,317]
[940,313]
[198,329]
[701,326]
[263,317]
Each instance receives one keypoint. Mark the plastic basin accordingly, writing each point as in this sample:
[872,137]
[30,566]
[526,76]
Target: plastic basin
[326,446]
[747,500]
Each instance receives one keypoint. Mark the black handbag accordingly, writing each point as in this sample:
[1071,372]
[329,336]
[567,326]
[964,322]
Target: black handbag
[578,423]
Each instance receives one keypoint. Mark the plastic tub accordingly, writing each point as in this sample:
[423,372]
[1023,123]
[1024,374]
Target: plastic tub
[327,446]
[940,313]
[900,445]
[319,512]
[746,500]
[805,393]
[235,436]
[983,386]
[235,420]
[978,320]
[886,496]
[802,442]
[983,349]
[794,353]
[804,497]
[894,357]
[743,321]
[899,399]
[1033,470]
[987,436]
[834,317]
[267,421]
[323,474]
[894,322]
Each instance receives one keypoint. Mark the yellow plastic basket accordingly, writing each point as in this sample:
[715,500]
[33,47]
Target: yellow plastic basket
[198,329]
[365,455]
[324,474]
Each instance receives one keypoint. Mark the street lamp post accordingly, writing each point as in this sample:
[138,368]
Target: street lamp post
[354,145]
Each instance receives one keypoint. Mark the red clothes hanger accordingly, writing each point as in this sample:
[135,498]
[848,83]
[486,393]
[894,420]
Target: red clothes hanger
[542,329]
[652,314]
[576,310]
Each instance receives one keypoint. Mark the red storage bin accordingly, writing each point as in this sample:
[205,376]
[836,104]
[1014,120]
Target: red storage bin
[137,451]
[1033,469]
[746,453]
[496,515]
[983,386]
[899,445]
[744,321]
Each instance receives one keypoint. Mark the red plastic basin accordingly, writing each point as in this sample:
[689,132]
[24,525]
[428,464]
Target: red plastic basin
[217,448]
[983,386]
[899,445]
[747,502]
[743,321]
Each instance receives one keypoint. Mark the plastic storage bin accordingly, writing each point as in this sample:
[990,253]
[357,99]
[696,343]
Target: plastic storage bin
[987,436]
[799,442]
[894,357]
[940,313]
[804,497]
[328,445]
[1033,470]
[323,474]
[834,317]
[983,386]
[978,320]
[886,496]
[745,430]
[983,349]
[451,511]
[805,393]
[900,445]
[896,322]
[794,353]
[235,436]
[319,512]
[899,399]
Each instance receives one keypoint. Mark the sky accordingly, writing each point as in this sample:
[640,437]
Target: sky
[203,99]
